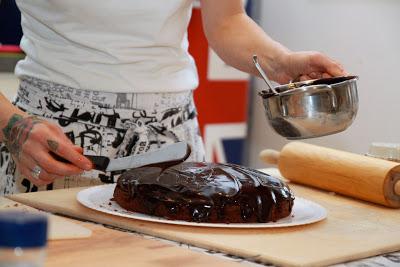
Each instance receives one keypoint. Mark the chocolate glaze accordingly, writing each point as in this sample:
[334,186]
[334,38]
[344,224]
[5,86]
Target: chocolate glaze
[204,188]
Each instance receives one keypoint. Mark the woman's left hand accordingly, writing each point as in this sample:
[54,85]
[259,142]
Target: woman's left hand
[307,66]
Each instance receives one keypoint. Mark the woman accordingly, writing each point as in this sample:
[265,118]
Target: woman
[115,78]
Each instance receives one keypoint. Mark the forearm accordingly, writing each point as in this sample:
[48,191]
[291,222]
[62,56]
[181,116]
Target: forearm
[7,111]
[238,38]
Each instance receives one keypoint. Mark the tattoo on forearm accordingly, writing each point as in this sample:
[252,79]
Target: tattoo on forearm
[53,145]
[17,131]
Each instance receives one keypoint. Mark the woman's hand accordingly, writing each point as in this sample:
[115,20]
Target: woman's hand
[30,141]
[306,66]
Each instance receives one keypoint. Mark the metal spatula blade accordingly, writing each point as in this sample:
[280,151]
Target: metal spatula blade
[174,152]
[171,152]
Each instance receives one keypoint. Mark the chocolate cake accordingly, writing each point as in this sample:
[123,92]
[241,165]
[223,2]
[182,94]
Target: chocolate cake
[204,192]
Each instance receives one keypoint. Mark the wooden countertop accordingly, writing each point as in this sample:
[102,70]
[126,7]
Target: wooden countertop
[108,247]
[353,230]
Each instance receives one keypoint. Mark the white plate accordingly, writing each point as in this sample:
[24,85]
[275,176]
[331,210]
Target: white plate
[99,198]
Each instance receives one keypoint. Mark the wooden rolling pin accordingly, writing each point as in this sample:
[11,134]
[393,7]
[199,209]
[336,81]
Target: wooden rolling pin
[358,176]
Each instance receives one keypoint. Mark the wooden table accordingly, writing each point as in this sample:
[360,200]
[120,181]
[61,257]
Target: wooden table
[108,247]
[352,231]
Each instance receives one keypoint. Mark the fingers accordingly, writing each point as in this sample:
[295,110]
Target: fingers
[314,65]
[33,140]
[46,138]
[315,75]
[50,169]
[70,153]
[58,143]
[326,65]
[51,165]
[43,137]
[26,172]
[45,175]
[305,78]
[326,75]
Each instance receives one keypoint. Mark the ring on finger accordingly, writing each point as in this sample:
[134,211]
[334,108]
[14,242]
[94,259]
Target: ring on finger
[36,172]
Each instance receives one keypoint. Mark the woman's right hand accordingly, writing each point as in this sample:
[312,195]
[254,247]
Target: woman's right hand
[31,141]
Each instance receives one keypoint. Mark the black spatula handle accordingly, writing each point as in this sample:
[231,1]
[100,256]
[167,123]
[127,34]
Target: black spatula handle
[99,162]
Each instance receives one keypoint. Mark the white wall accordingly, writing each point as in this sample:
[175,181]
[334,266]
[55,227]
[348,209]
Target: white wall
[364,35]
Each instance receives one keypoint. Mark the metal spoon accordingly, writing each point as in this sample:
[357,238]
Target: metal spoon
[263,75]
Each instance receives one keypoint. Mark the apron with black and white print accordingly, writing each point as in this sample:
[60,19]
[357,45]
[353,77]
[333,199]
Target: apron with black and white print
[103,124]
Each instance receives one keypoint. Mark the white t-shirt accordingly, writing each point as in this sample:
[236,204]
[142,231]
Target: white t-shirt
[115,45]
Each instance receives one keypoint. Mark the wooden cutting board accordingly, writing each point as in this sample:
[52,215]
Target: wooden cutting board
[353,230]
[59,227]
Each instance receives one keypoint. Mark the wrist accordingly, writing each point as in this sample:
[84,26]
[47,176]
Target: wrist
[17,132]
[7,122]
[283,60]
[277,63]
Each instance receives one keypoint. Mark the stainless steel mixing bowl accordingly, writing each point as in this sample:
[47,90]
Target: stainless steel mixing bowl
[312,108]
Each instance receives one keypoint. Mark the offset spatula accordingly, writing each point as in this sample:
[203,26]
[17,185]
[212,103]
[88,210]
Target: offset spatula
[174,152]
